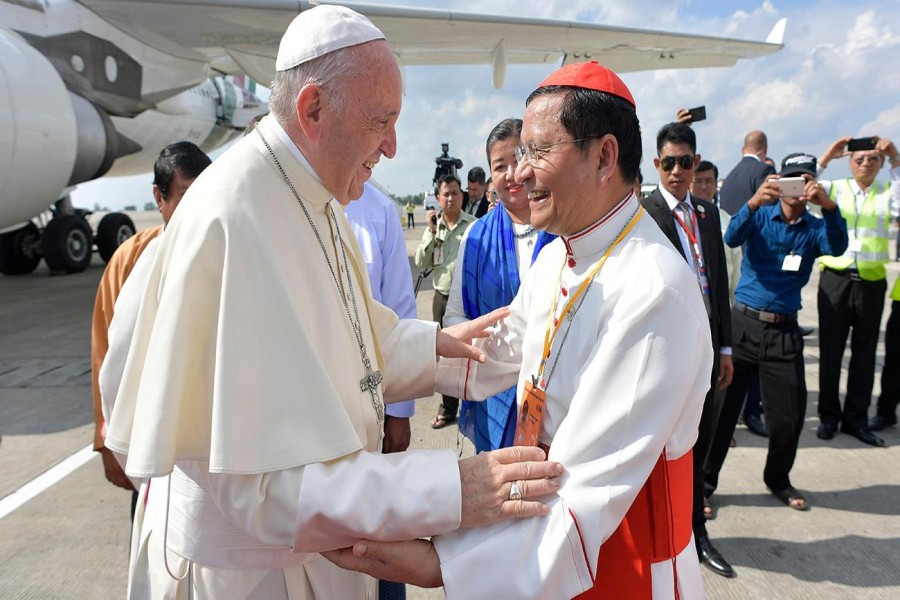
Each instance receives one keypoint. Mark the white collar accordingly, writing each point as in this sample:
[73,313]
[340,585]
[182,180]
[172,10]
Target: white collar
[285,139]
[595,238]
[672,201]
[753,156]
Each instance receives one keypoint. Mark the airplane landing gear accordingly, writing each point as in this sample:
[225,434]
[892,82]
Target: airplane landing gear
[113,229]
[20,250]
[62,236]
[67,244]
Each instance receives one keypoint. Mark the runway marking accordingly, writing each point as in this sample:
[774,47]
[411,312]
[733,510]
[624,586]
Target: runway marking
[45,480]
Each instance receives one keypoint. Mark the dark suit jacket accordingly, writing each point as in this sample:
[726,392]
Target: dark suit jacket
[713,255]
[476,208]
[742,183]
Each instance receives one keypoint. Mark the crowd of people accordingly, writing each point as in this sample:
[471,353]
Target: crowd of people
[254,390]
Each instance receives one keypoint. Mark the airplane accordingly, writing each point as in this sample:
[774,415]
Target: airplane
[92,88]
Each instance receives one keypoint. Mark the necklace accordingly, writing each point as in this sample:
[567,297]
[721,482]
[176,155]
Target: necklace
[570,315]
[530,231]
[372,378]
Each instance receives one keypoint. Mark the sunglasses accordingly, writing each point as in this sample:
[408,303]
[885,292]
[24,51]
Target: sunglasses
[668,162]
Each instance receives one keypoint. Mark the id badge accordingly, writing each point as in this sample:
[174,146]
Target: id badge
[531,415]
[437,259]
[792,262]
[855,246]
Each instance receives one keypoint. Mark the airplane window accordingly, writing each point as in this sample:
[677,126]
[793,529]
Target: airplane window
[112,69]
[77,63]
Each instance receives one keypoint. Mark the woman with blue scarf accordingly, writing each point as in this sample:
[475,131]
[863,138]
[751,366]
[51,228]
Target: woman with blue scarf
[495,250]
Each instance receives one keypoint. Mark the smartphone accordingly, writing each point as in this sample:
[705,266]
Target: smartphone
[697,114]
[858,144]
[791,187]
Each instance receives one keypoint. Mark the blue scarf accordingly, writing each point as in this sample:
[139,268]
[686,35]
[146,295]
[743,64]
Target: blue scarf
[490,280]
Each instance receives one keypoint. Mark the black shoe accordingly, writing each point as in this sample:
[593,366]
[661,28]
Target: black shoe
[877,423]
[864,435]
[711,557]
[825,431]
[756,425]
[805,331]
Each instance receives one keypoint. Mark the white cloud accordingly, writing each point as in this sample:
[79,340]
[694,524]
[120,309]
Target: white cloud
[886,122]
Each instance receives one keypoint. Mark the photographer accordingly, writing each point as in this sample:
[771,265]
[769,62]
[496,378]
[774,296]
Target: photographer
[438,250]
[781,242]
[852,285]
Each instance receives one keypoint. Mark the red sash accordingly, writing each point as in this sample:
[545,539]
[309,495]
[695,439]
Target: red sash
[657,527]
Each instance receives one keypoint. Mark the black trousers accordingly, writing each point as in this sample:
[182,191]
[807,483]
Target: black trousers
[890,374]
[844,303]
[449,404]
[708,418]
[753,404]
[774,353]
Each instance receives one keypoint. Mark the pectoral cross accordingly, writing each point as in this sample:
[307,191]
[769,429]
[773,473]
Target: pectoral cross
[370,383]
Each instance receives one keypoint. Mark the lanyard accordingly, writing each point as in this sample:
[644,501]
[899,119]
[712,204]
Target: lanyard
[554,324]
[690,233]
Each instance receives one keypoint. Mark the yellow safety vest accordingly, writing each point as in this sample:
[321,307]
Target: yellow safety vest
[870,228]
[895,293]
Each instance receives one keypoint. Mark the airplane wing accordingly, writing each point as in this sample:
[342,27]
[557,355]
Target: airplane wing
[241,36]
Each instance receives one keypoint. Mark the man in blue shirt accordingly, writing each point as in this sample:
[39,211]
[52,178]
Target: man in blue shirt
[781,242]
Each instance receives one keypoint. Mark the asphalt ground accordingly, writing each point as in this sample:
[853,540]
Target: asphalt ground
[71,540]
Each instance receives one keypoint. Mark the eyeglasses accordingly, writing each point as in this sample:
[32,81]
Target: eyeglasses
[668,162]
[872,158]
[529,153]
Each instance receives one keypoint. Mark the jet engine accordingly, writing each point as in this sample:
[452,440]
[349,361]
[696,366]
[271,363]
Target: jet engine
[50,139]
[38,132]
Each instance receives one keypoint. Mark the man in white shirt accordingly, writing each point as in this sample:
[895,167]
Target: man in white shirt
[374,221]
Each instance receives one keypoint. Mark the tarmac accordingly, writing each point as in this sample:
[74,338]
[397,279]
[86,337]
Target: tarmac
[71,539]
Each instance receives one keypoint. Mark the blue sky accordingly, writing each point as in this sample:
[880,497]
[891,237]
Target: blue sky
[837,75]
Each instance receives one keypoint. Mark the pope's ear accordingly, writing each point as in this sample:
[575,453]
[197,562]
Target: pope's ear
[310,105]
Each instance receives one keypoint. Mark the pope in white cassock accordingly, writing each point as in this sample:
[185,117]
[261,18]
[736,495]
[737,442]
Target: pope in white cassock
[252,396]
[608,343]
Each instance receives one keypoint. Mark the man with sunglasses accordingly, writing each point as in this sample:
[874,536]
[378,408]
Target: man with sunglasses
[852,288]
[692,226]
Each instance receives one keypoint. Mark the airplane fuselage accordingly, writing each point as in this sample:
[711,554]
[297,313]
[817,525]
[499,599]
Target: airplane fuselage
[80,99]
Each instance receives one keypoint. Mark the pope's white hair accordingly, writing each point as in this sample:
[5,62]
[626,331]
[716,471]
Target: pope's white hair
[332,72]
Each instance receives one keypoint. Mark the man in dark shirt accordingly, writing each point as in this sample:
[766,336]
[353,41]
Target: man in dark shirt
[781,241]
[475,200]
[746,177]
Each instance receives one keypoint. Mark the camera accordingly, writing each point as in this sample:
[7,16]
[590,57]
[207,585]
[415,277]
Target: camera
[434,219]
[861,144]
[446,164]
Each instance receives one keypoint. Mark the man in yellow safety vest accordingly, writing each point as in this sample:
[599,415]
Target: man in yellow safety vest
[852,286]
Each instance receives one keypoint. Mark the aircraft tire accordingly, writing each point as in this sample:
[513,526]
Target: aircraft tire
[112,231]
[68,244]
[19,250]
